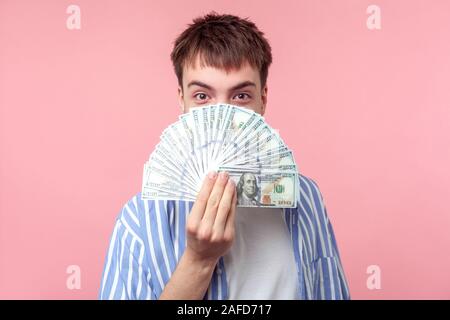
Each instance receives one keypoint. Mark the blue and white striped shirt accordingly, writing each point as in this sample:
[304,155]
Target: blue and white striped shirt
[149,238]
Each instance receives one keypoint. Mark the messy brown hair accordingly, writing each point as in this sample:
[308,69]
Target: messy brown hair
[224,42]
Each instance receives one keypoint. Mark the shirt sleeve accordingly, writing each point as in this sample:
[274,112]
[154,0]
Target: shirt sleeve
[329,281]
[125,274]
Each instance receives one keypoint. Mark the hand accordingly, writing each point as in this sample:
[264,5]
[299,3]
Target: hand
[210,225]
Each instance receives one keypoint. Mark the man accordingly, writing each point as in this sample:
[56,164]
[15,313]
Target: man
[209,248]
[247,190]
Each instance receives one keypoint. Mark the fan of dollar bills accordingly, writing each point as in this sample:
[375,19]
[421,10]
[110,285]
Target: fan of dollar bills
[218,138]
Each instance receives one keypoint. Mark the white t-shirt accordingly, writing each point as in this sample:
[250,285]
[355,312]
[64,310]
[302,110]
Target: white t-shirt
[261,263]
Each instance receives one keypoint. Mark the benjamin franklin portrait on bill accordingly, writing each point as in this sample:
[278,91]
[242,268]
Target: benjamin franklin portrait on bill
[248,190]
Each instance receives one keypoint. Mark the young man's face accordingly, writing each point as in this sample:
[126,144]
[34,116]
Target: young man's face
[208,85]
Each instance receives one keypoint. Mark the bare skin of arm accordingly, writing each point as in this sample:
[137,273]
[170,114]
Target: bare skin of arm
[210,234]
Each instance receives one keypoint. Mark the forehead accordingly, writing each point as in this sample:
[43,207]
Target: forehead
[249,177]
[220,78]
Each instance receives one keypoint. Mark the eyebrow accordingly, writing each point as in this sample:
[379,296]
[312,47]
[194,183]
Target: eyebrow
[236,87]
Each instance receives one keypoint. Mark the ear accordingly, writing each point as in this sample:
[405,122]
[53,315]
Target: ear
[264,100]
[180,99]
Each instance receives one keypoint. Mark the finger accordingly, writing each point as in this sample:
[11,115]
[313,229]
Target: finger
[229,227]
[225,206]
[214,201]
[200,203]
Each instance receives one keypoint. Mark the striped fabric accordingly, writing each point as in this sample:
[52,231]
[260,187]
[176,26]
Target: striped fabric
[149,238]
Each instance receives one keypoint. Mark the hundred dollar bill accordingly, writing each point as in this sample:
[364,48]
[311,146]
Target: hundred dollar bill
[158,183]
[265,189]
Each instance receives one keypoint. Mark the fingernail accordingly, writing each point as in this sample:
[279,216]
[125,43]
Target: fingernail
[223,175]
[212,175]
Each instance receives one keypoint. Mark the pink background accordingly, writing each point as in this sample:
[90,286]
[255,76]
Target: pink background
[366,111]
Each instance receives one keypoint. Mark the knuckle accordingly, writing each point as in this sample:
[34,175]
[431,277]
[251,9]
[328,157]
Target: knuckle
[191,228]
[228,237]
[204,234]
[203,195]
[202,198]
[216,238]
[225,207]
[222,182]
[213,202]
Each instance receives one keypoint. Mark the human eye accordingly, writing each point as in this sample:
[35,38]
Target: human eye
[242,97]
[201,97]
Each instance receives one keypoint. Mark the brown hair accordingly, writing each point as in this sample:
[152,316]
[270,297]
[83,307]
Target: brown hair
[224,42]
